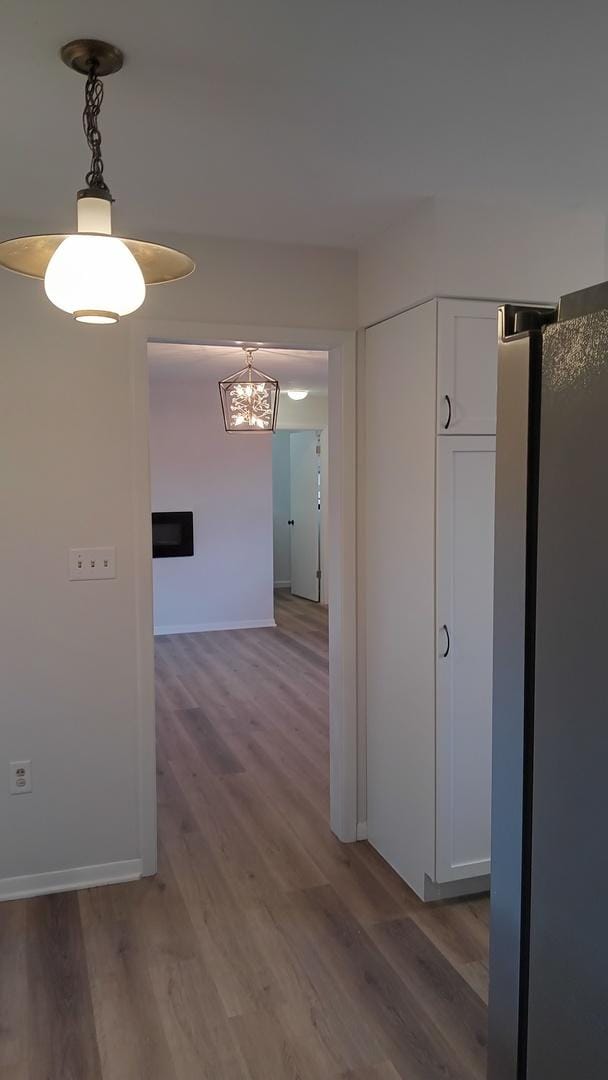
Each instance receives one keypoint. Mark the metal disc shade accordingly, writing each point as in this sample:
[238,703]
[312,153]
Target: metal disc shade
[30,255]
[91,274]
[250,401]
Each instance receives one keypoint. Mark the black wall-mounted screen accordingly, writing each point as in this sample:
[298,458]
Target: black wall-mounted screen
[172,534]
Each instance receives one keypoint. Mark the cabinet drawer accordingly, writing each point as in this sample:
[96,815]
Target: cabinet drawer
[467,363]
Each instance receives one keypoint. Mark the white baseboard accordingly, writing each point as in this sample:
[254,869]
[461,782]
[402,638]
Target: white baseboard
[200,628]
[282,584]
[362,830]
[78,877]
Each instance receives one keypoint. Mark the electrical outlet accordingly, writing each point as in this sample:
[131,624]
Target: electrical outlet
[88,564]
[20,777]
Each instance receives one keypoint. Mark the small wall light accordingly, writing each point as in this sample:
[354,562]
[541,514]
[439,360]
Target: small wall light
[297,395]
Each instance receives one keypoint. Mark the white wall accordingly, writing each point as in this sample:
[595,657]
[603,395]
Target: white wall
[502,251]
[249,282]
[517,252]
[69,689]
[281,508]
[68,684]
[226,480]
[397,267]
[302,415]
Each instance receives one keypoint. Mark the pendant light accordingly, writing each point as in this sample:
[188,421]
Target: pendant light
[250,399]
[94,276]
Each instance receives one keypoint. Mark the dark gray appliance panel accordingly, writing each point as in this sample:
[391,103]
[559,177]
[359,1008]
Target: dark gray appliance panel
[568,971]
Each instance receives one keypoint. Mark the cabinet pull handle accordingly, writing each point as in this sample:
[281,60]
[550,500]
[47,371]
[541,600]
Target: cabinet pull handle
[447,634]
[449,419]
[290,522]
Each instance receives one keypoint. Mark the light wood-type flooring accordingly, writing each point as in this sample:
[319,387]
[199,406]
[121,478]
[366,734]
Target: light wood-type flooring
[264,949]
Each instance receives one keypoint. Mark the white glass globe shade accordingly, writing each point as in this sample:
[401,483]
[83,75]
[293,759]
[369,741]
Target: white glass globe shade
[297,395]
[94,278]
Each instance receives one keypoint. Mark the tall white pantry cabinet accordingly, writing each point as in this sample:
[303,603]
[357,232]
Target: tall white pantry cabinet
[430,423]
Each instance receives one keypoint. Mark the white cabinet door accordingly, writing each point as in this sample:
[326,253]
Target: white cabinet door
[467,364]
[305,517]
[465,571]
[398,504]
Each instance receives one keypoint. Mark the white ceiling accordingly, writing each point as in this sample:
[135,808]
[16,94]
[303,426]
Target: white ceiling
[306,120]
[295,369]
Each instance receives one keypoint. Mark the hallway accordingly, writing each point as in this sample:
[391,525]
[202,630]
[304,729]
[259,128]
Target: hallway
[264,949]
[318,961]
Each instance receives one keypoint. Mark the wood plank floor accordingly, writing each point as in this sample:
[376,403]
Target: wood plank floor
[263,949]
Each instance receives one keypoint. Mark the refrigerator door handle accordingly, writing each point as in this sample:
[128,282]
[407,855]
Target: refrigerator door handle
[448,401]
[448,642]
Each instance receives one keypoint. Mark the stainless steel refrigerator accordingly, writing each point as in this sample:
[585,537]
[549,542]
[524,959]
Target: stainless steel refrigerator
[548,1013]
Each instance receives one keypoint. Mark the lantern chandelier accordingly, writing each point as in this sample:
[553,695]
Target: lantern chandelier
[94,276]
[250,399]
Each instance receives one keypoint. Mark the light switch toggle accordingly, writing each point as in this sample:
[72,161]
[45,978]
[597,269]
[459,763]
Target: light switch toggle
[88,564]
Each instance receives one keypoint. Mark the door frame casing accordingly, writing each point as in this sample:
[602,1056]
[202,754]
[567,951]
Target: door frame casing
[341,554]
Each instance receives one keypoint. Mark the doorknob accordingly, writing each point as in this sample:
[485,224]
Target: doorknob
[290,522]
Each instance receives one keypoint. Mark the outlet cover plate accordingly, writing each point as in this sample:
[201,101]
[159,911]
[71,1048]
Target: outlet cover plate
[20,777]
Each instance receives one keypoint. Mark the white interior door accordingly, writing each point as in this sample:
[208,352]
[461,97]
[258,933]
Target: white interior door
[304,518]
[465,594]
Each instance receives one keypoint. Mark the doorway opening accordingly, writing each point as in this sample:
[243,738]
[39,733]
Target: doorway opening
[300,449]
[241,616]
[346,727]
[299,491]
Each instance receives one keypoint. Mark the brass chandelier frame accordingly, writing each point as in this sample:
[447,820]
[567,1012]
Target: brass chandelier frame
[244,377]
